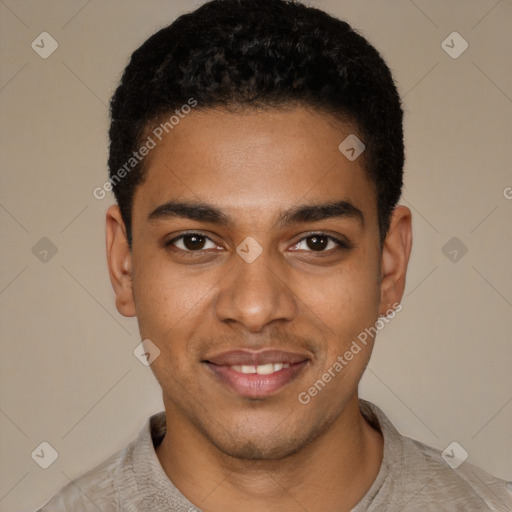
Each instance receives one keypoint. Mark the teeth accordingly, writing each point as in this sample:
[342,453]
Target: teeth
[262,369]
[265,369]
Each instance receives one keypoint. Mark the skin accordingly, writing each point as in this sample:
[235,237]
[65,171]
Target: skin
[223,451]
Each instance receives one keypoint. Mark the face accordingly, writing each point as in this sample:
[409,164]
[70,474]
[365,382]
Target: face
[255,265]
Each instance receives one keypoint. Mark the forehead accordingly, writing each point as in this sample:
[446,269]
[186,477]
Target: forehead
[252,162]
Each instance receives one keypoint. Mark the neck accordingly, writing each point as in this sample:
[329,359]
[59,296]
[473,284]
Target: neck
[333,472]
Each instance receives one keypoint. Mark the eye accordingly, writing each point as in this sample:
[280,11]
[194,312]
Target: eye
[196,242]
[320,242]
[192,242]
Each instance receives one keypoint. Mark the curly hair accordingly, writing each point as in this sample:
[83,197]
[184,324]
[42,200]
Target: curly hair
[260,54]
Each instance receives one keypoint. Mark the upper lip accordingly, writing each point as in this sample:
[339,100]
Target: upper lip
[249,358]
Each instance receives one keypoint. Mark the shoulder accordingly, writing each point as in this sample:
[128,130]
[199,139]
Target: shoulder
[444,481]
[97,488]
[416,476]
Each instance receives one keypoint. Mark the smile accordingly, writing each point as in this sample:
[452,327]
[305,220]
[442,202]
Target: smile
[256,374]
[262,369]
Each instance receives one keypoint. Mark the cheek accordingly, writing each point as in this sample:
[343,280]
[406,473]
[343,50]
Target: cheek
[167,300]
[169,310]
[347,304]
[346,300]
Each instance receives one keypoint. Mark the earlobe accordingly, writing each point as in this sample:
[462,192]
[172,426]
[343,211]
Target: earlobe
[119,261]
[395,259]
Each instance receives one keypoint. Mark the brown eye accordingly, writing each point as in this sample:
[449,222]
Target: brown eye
[320,243]
[317,243]
[192,242]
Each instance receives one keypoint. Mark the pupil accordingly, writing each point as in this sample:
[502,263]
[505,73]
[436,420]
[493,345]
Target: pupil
[318,242]
[192,242]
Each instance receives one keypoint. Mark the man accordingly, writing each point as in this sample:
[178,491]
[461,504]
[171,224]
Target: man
[257,157]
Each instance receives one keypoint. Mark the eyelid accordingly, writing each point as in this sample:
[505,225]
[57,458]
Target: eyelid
[172,241]
[340,242]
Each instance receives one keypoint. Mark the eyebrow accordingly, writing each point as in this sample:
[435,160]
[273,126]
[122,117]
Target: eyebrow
[204,212]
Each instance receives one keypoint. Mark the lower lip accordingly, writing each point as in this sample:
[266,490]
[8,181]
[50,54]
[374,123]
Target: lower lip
[253,385]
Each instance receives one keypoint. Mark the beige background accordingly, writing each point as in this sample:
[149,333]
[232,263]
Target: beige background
[441,369]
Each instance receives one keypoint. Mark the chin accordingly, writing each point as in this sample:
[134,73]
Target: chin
[260,444]
[260,451]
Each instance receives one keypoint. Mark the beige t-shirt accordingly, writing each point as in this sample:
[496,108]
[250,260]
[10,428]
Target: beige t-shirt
[413,477]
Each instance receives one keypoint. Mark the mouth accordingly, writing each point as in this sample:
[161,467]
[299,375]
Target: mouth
[256,374]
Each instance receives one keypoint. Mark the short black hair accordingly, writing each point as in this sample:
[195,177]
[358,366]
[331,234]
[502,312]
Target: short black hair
[259,54]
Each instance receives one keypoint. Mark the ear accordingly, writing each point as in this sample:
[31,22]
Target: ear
[119,260]
[395,258]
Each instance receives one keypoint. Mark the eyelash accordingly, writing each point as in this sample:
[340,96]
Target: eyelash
[341,245]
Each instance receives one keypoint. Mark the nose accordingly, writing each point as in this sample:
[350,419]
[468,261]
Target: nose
[256,294]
